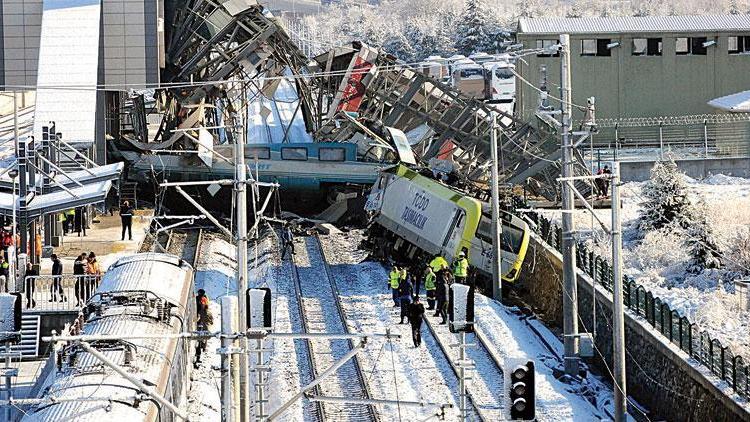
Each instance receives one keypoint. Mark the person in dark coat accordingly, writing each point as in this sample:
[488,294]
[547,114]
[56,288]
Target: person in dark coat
[79,270]
[287,238]
[416,279]
[126,219]
[416,313]
[30,284]
[57,289]
[441,296]
[80,220]
[203,323]
[405,291]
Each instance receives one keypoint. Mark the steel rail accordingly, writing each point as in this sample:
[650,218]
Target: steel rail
[357,366]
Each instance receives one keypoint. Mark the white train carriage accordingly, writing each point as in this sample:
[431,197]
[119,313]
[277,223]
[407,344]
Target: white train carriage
[147,293]
[437,219]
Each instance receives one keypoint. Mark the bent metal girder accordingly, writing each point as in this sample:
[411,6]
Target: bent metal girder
[404,98]
[216,41]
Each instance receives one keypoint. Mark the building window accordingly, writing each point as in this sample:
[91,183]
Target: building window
[596,47]
[296,154]
[647,46]
[739,45]
[331,154]
[547,44]
[690,46]
[260,153]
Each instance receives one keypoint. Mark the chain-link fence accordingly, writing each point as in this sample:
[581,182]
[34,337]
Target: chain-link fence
[678,329]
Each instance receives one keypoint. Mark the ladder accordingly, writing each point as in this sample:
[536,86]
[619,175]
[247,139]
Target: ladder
[29,345]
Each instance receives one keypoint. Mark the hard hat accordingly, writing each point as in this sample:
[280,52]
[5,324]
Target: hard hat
[461,253]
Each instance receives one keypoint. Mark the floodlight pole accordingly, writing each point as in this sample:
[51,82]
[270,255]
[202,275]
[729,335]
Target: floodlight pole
[497,227]
[570,293]
[618,326]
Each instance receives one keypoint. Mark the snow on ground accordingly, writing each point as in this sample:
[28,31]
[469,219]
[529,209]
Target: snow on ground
[280,111]
[367,300]
[395,370]
[659,261]
[215,274]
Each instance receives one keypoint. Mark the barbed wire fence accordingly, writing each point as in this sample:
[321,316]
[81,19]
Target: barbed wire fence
[680,137]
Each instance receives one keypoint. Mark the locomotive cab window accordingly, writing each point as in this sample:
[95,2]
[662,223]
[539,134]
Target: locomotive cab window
[512,235]
[294,154]
[260,153]
[332,154]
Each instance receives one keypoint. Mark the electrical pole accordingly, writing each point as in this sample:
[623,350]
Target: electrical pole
[497,227]
[241,212]
[618,328]
[570,293]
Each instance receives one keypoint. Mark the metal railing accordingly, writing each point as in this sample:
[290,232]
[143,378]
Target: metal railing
[676,328]
[59,292]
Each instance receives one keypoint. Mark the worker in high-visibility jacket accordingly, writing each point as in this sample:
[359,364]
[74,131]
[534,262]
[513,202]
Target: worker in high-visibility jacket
[394,280]
[461,268]
[438,264]
[429,285]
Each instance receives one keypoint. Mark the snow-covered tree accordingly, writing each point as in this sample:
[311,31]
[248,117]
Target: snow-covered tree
[471,31]
[666,199]
[733,8]
[701,240]
[575,10]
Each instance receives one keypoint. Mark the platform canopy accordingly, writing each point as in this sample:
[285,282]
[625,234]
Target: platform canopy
[736,103]
[58,201]
[90,175]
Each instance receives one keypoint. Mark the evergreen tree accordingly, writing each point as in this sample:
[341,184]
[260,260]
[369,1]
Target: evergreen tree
[733,8]
[471,32]
[701,242]
[574,11]
[667,203]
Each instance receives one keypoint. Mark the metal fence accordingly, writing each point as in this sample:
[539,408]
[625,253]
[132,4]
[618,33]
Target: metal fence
[58,293]
[677,137]
[678,329]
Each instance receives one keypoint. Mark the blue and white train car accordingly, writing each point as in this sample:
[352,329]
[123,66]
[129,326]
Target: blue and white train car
[147,293]
[306,167]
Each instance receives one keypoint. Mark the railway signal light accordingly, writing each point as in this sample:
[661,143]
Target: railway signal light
[258,301]
[461,308]
[521,390]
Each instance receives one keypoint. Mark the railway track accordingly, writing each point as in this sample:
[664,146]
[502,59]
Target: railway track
[184,244]
[485,389]
[321,312]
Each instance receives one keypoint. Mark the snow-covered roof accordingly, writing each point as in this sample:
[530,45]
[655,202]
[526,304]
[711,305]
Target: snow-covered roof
[635,24]
[738,103]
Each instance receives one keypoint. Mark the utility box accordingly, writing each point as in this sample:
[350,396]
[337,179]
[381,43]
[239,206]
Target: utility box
[586,345]
[742,291]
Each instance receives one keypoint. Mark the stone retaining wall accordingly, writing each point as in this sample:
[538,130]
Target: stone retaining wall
[659,375]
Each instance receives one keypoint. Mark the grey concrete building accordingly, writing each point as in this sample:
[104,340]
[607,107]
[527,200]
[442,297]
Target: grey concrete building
[132,39]
[640,66]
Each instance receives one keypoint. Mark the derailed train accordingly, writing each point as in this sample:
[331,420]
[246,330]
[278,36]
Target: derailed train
[419,217]
[147,293]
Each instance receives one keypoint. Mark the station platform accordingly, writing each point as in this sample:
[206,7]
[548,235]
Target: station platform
[103,238]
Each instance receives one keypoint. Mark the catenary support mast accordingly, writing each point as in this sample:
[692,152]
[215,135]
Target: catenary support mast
[570,294]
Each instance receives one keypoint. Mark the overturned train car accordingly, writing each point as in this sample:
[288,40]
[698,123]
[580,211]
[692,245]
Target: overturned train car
[416,217]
